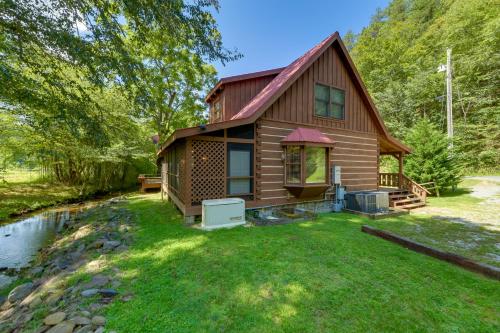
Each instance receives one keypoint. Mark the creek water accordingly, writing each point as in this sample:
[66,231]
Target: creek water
[21,240]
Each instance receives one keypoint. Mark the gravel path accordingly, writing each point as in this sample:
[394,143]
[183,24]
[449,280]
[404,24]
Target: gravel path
[485,214]
[490,178]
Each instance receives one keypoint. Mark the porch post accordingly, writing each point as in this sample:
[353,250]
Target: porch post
[400,173]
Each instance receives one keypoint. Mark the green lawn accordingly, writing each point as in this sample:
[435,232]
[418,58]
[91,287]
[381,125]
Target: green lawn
[16,198]
[319,276]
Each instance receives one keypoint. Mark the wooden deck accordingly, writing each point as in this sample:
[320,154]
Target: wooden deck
[149,182]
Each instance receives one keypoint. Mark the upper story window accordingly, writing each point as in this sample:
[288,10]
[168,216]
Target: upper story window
[329,102]
[216,111]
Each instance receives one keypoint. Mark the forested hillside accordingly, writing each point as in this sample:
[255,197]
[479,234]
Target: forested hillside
[398,55]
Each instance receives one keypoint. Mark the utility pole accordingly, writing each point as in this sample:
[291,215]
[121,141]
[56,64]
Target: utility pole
[449,98]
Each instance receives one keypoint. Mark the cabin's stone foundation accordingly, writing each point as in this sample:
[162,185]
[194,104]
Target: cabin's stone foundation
[314,207]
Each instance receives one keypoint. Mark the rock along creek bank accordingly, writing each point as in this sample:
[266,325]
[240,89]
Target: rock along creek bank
[71,280]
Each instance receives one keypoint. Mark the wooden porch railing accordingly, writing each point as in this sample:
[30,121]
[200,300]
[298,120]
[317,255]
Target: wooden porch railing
[392,180]
[388,180]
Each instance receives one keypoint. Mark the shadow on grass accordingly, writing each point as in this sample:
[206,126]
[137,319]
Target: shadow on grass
[455,193]
[306,277]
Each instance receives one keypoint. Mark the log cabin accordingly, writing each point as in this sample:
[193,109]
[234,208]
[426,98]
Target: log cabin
[273,137]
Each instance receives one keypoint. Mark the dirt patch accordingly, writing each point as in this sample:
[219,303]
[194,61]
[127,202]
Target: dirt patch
[486,190]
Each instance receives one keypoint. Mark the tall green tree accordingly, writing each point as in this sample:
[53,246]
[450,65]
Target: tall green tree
[169,90]
[39,40]
[398,54]
[431,159]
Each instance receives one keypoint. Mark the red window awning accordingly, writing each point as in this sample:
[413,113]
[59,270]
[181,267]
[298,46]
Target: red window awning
[307,136]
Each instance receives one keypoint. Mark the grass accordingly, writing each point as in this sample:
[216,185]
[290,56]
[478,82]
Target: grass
[319,276]
[21,197]
[455,222]
[474,242]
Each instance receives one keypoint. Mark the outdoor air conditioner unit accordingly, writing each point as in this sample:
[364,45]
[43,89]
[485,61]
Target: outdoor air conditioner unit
[222,213]
[368,202]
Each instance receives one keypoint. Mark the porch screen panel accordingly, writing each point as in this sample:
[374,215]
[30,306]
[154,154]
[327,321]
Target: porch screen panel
[240,169]
[175,170]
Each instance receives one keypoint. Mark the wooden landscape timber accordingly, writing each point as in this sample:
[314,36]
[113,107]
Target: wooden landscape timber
[487,270]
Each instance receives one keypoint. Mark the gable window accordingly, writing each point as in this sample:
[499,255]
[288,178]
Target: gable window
[240,169]
[216,111]
[329,102]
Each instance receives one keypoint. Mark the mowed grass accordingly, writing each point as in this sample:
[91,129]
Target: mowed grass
[23,192]
[471,241]
[456,222]
[319,276]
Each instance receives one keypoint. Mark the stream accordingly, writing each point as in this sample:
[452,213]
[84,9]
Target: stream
[21,240]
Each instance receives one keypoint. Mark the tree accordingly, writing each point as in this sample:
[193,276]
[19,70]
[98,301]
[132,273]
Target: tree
[169,91]
[90,81]
[431,159]
[40,40]
[398,53]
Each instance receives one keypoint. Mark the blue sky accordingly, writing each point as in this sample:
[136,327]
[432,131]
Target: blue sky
[273,33]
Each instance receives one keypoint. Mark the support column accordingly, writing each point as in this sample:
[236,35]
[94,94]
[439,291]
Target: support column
[400,173]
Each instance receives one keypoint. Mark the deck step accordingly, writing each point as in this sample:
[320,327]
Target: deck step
[398,192]
[406,201]
[401,196]
[412,206]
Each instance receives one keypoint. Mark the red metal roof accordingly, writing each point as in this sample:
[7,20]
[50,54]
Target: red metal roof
[241,77]
[281,80]
[307,135]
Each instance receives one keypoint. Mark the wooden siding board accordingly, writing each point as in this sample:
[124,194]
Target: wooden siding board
[238,94]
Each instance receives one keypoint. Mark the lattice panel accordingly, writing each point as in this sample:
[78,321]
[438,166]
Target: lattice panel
[207,172]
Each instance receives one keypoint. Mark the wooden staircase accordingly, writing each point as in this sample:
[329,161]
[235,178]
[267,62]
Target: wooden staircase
[404,193]
[403,199]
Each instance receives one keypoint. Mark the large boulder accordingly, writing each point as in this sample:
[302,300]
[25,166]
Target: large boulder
[54,319]
[109,245]
[90,292]
[64,327]
[97,281]
[81,321]
[20,292]
[98,320]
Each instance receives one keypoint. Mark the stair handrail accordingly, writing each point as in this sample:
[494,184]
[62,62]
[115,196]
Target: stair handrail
[415,188]
[431,186]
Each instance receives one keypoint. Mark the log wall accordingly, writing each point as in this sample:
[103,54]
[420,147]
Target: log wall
[356,152]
